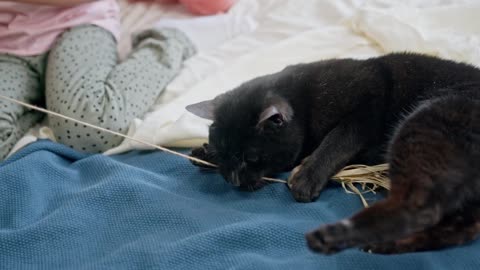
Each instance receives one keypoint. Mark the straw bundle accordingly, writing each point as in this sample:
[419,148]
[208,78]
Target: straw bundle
[370,178]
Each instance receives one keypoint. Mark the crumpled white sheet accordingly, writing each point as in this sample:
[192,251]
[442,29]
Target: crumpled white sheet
[290,32]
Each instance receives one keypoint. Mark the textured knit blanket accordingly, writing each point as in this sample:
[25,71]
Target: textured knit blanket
[60,209]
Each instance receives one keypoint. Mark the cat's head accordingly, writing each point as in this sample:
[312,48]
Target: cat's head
[254,133]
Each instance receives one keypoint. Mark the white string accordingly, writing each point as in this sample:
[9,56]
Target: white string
[339,177]
[33,107]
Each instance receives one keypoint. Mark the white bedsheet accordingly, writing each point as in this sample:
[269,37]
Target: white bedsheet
[292,31]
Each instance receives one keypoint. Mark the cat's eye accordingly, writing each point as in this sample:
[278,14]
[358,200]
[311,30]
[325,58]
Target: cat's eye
[277,119]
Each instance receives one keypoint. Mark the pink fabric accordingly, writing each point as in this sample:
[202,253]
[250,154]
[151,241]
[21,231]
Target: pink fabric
[28,29]
[199,7]
[207,7]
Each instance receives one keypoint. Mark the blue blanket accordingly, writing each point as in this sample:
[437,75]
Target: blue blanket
[60,209]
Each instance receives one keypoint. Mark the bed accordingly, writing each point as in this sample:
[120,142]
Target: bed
[61,209]
[134,208]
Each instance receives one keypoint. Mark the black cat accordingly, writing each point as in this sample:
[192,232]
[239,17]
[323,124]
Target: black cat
[324,115]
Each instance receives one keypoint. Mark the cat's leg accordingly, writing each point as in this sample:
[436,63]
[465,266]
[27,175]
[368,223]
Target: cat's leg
[429,173]
[340,145]
[204,153]
[384,221]
[455,229]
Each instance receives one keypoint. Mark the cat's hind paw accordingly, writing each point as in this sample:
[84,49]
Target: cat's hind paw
[329,239]
[382,248]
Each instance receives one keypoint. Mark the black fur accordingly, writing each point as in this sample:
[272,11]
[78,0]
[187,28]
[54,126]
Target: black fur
[337,112]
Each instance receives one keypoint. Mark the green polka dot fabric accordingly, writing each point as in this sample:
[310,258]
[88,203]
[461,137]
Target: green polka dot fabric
[81,78]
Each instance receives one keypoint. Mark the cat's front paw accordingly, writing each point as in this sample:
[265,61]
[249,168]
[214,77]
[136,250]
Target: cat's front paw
[201,153]
[303,184]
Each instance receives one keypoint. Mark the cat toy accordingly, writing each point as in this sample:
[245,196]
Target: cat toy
[370,178]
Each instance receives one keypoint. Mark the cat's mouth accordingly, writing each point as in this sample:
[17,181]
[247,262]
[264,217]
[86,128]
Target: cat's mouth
[244,179]
[252,186]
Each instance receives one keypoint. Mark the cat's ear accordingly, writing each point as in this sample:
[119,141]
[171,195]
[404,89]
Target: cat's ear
[202,109]
[277,111]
